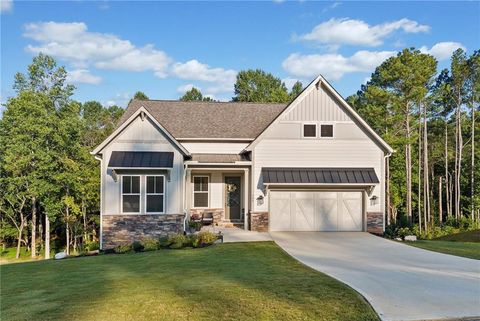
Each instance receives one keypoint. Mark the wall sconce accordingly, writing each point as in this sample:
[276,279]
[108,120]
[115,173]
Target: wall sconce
[373,200]
[260,200]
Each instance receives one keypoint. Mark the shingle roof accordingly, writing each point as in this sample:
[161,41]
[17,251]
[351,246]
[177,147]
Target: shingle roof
[319,175]
[192,119]
[219,158]
[141,159]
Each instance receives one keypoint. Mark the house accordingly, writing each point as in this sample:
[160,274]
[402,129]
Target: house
[311,165]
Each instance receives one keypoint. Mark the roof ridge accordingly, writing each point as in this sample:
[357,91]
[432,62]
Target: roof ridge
[209,102]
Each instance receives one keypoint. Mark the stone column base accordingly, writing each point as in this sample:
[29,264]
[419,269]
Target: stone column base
[258,221]
[375,222]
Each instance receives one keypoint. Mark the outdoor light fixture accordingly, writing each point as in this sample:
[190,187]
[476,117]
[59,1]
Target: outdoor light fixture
[260,200]
[373,200]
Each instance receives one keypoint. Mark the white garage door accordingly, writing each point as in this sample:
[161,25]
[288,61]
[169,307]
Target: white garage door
[315,211]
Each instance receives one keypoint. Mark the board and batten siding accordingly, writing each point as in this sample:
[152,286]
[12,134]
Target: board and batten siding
[282,145]
[142,135]
[214,147]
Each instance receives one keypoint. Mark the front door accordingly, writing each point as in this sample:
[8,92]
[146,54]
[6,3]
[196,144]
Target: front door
[233,197]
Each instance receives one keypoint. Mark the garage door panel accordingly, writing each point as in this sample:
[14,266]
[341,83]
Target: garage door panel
[316,211]
[326,214]
[304,212]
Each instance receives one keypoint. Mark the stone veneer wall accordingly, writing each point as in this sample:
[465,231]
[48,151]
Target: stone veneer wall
[258,221]
[217,213]
[124,229]
[375,222]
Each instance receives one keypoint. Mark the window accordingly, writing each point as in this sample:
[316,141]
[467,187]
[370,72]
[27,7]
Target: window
[326,130]
[309,130]
[131,194]
[155,196]
[200,191]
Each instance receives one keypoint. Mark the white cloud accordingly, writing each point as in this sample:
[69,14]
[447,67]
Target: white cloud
[82,76]
[221,80]
[443,50]
[74,43]
[6,5]
[120,99]
[332,6]
[289,82]
[357,32]
[184,88]
[334,66]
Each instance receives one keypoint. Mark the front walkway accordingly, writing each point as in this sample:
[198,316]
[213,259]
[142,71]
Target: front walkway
[235,234]
[401,282]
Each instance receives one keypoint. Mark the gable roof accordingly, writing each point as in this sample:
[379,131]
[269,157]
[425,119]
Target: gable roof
[212,120]
[321,82]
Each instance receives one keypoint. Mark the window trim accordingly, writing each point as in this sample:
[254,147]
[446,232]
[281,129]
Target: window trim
[139,194]
[146,194]
[303,130]
[193,191]
[326,137]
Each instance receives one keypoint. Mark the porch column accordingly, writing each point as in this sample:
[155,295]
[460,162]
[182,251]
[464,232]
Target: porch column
[246,197]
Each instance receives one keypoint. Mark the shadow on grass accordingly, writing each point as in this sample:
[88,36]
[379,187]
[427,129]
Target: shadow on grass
[245,281]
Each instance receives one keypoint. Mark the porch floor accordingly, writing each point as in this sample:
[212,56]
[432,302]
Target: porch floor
[235,234]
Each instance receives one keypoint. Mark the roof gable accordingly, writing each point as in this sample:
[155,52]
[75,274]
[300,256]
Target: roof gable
[320,92]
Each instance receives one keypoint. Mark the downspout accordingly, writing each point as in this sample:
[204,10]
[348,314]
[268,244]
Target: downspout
[184,183]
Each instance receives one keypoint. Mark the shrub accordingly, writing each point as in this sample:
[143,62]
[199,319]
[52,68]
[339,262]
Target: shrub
[164,242]
[177,241]
[137,246]
[92,245]
[121,249]
[204,239]
[404,231]
[150,244]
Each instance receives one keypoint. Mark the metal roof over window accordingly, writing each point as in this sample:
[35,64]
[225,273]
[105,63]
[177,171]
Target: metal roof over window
[141,160]
[319,175]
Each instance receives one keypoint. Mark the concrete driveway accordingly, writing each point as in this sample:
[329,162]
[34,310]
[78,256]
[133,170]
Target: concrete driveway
[400,282]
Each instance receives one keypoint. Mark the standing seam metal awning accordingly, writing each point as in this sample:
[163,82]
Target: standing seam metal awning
[141,160]
[319,175]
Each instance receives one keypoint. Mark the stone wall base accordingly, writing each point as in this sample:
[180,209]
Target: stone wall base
[258,221]
[375,222]
[217,213]
[124,229]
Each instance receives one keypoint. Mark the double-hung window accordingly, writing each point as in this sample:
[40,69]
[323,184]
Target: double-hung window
[155,194]
[200,191]
[131,194]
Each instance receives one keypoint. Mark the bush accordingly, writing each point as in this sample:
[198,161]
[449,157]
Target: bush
[92,246]
[203,239]
[177,241]
[150,244]
[137,246]
[121,249]
[164,242]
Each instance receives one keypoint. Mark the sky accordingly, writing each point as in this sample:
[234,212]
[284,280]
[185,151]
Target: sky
[112,49]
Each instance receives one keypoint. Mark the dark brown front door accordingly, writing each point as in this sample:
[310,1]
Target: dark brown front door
[233,197]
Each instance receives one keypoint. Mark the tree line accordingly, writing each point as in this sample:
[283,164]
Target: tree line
[429,117]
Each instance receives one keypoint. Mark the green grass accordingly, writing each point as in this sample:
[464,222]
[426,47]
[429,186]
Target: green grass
[8,255]
[241,281]
[470,236]
[465,249]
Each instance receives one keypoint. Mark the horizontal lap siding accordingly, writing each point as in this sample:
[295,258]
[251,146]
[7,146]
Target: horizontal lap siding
[214,147]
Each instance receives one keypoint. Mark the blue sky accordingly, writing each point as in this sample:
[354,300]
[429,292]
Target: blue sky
[113,48]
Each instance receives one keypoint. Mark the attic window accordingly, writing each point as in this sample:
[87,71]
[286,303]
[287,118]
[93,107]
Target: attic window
[309,130]
[326,131]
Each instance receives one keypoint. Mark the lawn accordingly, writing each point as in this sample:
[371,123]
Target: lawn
[466,244]
[241,281]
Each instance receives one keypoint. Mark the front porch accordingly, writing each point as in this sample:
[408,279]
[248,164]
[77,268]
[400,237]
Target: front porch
[221,192]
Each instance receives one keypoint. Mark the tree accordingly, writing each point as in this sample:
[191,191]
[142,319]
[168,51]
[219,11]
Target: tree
[45,77]
[259,86]
[398,87]
[139,95]
[297,88]
[194,94]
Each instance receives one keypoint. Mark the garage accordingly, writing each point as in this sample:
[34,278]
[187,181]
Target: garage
[316,211]
[317,199]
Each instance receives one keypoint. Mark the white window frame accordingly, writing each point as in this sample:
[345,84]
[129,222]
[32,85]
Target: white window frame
[309,137]
[193,191]
[146,193]
[320,131]
[139,194]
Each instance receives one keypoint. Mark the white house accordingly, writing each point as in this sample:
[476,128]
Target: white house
[311,165]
